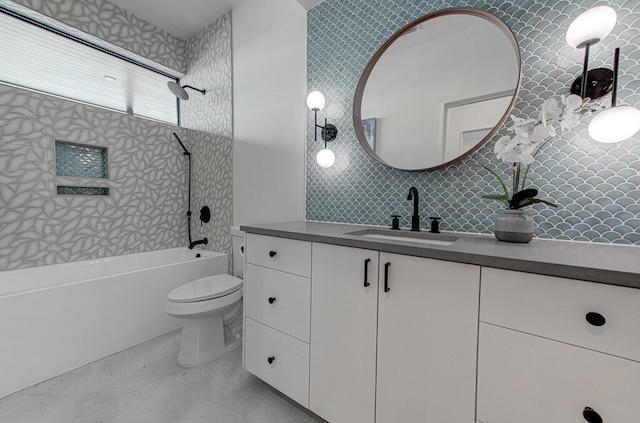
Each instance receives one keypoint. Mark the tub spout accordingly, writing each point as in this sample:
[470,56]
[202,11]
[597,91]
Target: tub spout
[200,241]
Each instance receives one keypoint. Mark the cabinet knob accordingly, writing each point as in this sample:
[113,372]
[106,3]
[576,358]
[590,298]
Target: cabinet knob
[595,319]
[272,300]
[591,416]
[272,253]
[271,359]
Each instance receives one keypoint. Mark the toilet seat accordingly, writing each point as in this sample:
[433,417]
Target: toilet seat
[206,288]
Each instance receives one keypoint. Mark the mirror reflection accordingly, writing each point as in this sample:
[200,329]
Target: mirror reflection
[437,90]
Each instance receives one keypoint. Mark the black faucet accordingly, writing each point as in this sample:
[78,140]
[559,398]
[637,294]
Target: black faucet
[415,219]
[201,241]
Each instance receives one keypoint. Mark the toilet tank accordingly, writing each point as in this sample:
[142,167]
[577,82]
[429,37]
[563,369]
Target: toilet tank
[237,237]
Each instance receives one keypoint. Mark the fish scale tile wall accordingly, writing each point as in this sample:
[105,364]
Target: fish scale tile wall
[596,186]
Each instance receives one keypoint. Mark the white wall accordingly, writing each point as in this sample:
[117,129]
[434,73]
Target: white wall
[269,91]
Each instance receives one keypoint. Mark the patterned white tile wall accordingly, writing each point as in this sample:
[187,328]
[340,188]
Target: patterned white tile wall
[209,58]
[597,186]
[148,173]
[148,180]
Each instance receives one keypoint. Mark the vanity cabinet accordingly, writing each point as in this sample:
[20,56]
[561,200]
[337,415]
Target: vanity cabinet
[551,348]
[361,336]
[402,348]
[277,289]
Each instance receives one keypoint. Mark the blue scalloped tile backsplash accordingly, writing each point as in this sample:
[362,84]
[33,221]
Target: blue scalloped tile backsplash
[596,186]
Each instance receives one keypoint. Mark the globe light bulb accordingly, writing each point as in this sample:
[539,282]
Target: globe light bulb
[615,124]
[315,100]
[591,26]
[326,158]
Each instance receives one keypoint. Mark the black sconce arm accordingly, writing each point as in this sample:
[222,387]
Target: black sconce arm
[329,132]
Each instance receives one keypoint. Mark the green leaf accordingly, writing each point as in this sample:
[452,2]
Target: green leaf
[498,197]
[526,169]
[504,187]
[530,201]
[545,202]
[521,196]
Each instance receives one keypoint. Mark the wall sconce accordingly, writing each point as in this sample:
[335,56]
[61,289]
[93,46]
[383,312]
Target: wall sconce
[618,122]
[325,157]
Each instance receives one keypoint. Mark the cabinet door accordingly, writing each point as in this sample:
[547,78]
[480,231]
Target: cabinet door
[526,379]
[427,340]
[343,333]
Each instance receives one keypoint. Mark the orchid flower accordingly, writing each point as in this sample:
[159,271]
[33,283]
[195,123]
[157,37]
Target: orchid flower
[527,139]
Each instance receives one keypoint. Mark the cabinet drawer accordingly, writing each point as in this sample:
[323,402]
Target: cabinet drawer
[288,255]
[278,299]
[526,379]
[557,308]
[289,370]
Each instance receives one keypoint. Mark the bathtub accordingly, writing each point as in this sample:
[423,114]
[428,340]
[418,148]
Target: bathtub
[59,317]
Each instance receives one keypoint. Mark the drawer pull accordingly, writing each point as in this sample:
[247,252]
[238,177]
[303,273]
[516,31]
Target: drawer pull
[595,319]
[271,359]
[366,272]
[591,416]
[272,300]
[386,277]
[272,253]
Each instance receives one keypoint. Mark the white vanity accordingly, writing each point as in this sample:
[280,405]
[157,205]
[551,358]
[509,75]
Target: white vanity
[407,332]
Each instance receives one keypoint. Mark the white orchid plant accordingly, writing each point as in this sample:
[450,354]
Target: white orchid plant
[528,138]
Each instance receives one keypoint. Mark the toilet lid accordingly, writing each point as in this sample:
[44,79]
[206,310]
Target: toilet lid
[205,288]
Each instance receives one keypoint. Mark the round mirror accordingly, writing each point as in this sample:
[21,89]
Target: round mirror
[437,90]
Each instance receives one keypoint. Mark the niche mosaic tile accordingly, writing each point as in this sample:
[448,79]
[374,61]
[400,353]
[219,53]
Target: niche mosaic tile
[597,186]
[81,161]
[65,190]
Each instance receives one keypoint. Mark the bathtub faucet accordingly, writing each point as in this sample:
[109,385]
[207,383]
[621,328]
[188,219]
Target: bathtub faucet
[201,241]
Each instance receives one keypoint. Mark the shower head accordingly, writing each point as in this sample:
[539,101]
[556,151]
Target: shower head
[180,92]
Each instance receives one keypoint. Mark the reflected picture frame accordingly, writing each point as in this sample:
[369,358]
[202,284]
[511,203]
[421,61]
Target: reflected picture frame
[369,129]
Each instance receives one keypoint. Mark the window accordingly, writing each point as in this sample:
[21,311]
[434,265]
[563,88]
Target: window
[36,58]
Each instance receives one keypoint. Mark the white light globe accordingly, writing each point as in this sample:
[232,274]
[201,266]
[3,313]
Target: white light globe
[591,26]
[615,124]
[326,158]
[315,100]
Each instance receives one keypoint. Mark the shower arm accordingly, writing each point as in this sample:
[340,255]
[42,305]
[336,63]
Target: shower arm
[203,92]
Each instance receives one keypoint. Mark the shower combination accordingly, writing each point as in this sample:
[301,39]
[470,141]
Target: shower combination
[180,90]
[205,213]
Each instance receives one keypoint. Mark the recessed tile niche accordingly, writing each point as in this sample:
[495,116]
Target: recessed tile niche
[81,161]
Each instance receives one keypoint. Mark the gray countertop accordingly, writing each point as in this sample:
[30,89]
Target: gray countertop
[602,263]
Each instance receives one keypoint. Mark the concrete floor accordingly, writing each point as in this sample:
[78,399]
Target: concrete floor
[145,384]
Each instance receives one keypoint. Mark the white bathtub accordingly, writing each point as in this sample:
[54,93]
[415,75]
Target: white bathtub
[59,317]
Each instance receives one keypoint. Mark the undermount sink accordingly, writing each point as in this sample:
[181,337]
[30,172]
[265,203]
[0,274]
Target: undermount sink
[405,236]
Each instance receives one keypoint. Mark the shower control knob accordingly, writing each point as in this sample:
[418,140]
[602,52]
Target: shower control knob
[272,253]
[271,359]
[272,300]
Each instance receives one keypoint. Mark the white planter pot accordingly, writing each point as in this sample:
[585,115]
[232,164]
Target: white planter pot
[513,226]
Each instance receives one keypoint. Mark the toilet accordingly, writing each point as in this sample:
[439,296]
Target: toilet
[206,304]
